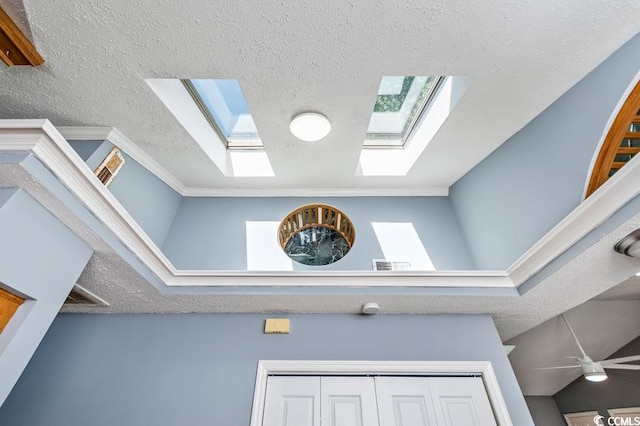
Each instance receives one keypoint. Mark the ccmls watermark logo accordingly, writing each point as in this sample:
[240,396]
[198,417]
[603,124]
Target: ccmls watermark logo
[616,421]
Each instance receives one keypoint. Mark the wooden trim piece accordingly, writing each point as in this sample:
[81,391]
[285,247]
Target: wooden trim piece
[619,130]
[629,150]
[314,215]
[9,304]
[11,297]
[15,48]
[390,368]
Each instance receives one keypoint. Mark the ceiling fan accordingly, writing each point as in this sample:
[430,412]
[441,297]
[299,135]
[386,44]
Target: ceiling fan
[594,370]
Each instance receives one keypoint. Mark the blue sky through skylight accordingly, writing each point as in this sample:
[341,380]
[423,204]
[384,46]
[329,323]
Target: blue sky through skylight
[228,107]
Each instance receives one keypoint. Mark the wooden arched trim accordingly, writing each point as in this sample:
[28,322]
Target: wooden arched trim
[622,141]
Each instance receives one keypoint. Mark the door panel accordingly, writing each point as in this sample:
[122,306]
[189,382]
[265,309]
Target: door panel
[461,401]
[405,401]
[379,401]
[348,401]
[292,401]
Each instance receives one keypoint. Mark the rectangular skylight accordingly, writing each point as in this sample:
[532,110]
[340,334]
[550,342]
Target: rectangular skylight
[399,105]
[224,106]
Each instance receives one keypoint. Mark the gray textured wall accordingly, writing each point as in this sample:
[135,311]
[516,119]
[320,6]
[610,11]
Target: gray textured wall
[195,370]
[531,182]
[209,233]
[620,390]
[544,411]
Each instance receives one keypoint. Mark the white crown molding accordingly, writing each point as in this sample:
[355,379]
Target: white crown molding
[438,191]
[44,140]
[390,368]
[117,138]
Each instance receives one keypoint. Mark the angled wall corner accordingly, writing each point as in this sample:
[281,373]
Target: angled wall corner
[41,260]
[150,201]
[536,178]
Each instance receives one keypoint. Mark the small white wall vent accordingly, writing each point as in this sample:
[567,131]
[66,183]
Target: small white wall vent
[388,265]
[81,296]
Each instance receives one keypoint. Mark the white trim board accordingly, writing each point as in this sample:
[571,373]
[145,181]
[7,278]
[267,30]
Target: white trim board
[42,139]
[390,368]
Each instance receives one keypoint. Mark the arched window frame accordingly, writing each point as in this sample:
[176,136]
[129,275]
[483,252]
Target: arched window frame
[611,147]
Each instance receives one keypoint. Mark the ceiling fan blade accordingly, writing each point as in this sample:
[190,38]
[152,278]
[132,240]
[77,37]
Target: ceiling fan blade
[557,368]
[622,367]
[619,360]
[584,354]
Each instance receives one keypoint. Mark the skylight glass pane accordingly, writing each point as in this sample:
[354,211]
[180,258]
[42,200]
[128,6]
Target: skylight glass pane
[399,103]
[226,105]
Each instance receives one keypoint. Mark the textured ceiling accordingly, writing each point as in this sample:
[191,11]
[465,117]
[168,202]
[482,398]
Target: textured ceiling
[325,55]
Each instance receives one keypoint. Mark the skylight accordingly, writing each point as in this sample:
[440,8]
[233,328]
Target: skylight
[225,108]
[399,105]
[233,145]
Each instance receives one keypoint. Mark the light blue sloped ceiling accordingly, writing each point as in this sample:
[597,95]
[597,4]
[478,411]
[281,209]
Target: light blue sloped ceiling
[531,182]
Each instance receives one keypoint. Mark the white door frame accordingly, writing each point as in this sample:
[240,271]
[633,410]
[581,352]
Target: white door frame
[390,368]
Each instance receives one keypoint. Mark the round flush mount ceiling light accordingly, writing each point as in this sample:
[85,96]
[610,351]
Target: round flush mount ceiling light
[310,126]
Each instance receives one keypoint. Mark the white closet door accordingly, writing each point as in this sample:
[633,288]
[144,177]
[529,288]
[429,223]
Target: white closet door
[348,401]
[405,401]
[461,401]
[292,401]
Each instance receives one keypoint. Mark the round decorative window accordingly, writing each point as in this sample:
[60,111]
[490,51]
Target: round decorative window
[316,234]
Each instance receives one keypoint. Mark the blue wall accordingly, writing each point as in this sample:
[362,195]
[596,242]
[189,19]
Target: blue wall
[40,260]
[86,149]
[209,233]
[192,369]
[531,182]
[150,201]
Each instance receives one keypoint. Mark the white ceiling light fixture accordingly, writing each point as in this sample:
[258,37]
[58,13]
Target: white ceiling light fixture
[594,371]
[310,126]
